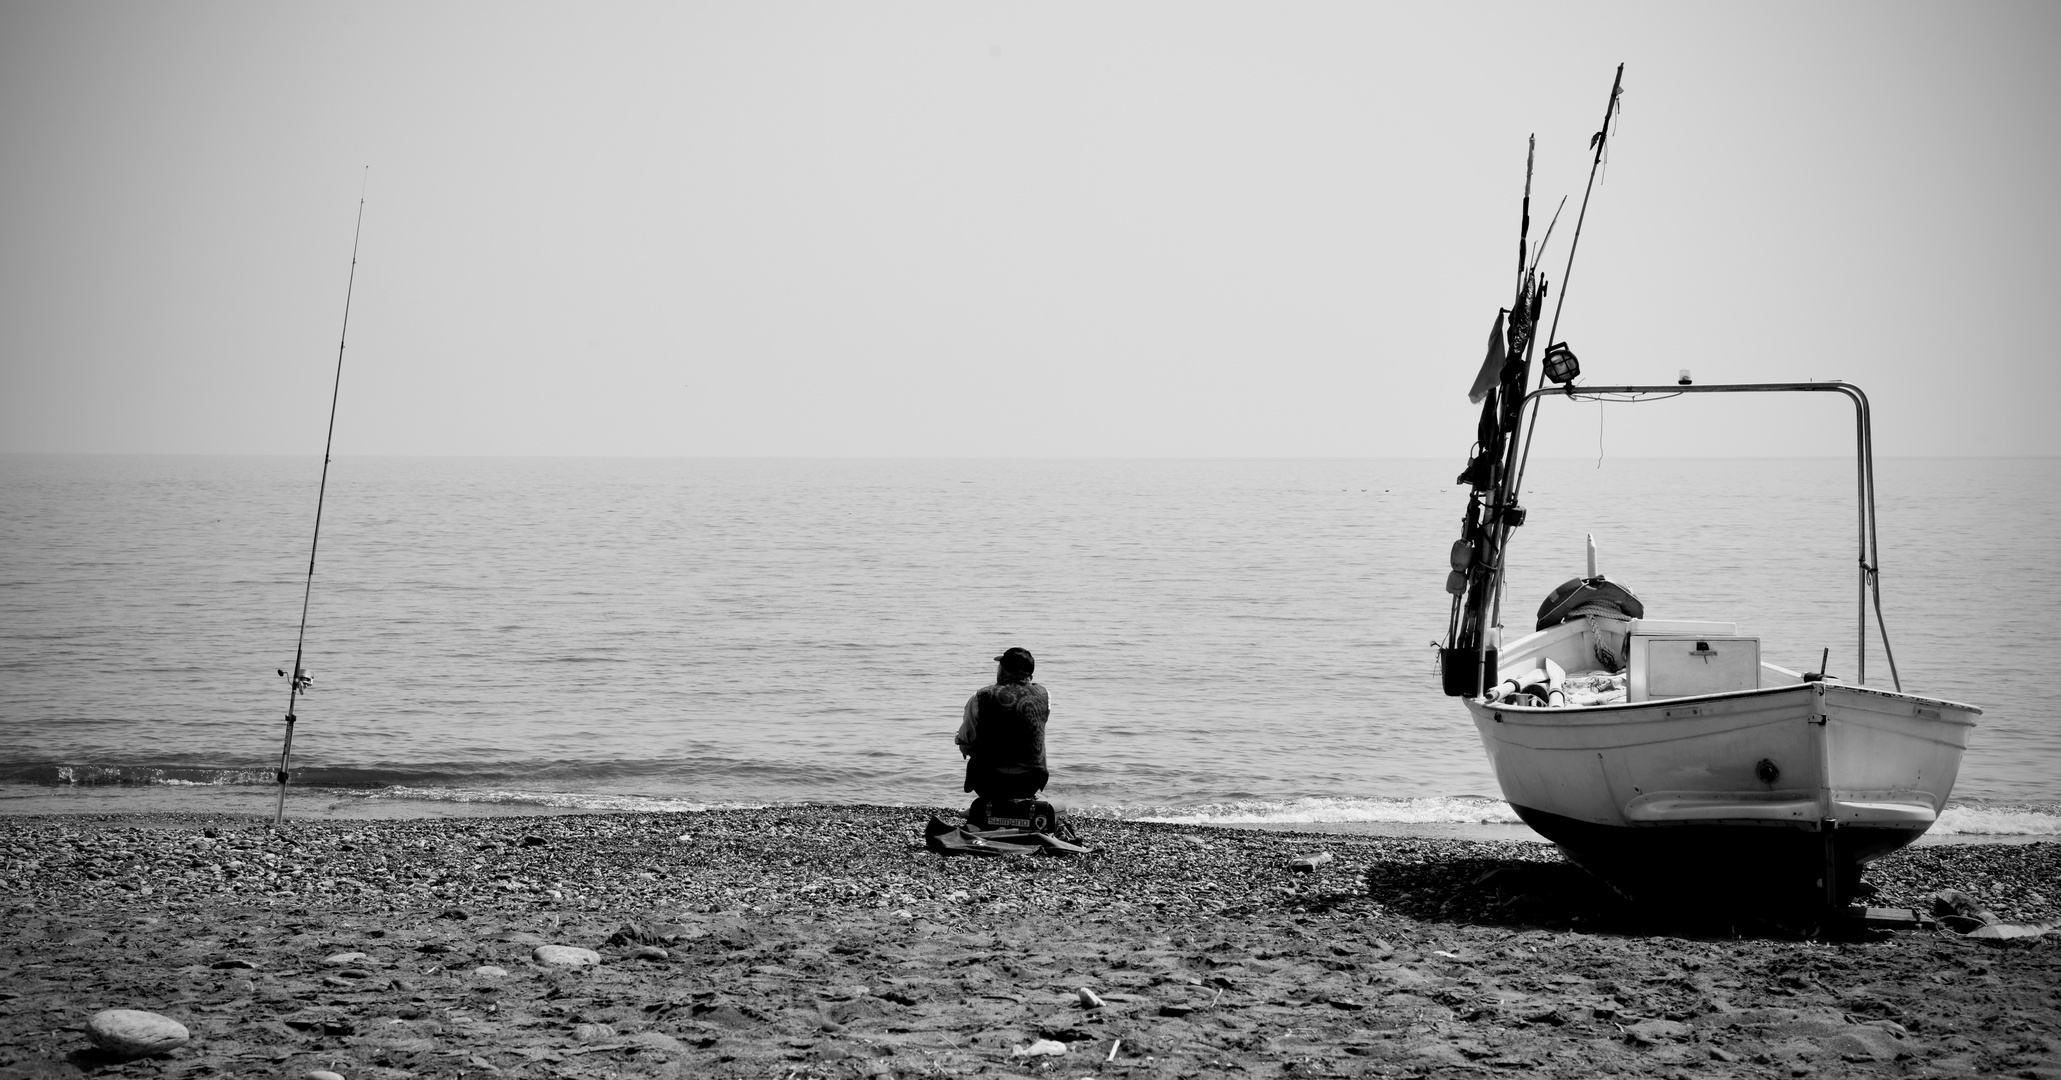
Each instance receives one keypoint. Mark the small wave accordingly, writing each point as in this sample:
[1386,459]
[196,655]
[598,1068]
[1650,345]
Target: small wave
[2027,819]
[167,775]
[562,800]
[2007,820]
[173,775]
[724,776]
[1441,810]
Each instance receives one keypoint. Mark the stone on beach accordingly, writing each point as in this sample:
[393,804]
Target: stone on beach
[565,956]
[1655,1032]
[660,1041]
[344,959]
[1309,863]
[2003,931]
[133,1033]
[490,971]
[1040,1048]
[321,1074]
[1089,999]
[1865,1043]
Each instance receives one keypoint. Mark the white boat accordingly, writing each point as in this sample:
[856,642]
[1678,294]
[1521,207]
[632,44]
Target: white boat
[1666,756]
[1777,786]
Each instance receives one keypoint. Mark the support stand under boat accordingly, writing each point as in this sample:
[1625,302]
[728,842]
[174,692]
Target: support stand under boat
[1828,829]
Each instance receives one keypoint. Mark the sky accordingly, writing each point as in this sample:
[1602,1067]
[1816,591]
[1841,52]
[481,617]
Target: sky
[1020,230]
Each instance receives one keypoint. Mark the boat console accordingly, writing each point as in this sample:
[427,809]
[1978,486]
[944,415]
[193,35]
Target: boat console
[1676,658]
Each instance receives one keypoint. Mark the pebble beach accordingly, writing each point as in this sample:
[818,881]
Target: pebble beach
[828,942]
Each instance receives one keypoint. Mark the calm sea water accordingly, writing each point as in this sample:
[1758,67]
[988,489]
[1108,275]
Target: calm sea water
[1230,641]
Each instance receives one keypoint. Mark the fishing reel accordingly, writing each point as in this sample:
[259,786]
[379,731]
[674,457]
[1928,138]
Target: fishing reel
[302,681]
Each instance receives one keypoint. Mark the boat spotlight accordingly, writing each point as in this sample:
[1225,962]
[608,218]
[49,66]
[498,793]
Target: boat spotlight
[1561,366]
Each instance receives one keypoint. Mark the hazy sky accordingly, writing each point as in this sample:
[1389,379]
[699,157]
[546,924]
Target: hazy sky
[1033,229]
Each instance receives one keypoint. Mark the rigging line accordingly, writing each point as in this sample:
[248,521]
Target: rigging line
[1599,434]
[1881,626]
[299,681]
[1616,128]
[1622,399]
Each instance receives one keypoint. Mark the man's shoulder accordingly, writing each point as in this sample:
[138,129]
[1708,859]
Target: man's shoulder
[1012,691]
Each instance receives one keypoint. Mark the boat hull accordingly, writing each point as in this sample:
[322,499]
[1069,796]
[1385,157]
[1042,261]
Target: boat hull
[1779,794]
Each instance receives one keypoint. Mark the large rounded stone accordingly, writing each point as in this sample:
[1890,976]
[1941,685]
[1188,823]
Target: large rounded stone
[133,1033]
[565,956]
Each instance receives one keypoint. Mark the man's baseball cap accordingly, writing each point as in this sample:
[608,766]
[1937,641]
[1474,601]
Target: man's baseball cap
[1017,660]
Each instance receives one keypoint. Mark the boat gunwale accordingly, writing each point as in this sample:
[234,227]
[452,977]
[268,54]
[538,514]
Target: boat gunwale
[1729,695]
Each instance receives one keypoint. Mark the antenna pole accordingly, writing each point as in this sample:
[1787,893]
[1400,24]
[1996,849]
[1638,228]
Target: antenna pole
[1599,141]
[300,681]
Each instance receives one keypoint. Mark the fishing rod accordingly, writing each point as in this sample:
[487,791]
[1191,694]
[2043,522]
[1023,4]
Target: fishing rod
[1488,438]
[1497,469]
[300,681]
[1520,451]
[1599,142]
[1499,387]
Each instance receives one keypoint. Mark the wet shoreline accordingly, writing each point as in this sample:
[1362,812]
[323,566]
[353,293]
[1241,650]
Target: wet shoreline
[250,804]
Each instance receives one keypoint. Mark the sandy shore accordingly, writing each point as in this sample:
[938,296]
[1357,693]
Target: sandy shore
[825,942]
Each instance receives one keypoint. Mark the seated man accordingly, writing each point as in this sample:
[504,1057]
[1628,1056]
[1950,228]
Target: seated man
[1003,734]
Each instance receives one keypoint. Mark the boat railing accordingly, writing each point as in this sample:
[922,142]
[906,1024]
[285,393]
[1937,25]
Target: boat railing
[1864,456]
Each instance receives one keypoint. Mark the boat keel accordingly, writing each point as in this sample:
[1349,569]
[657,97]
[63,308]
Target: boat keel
[1756,867]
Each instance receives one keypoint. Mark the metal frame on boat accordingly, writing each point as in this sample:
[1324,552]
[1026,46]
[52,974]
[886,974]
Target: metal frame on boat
[1864,476]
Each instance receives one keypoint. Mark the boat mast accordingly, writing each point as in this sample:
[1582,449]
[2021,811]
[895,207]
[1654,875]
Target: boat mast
[1495,473]
[1466,658]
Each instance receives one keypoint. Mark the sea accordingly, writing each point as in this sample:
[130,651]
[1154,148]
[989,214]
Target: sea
[1231,642]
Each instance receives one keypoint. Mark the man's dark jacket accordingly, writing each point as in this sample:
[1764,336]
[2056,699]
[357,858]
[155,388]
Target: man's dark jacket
[1004,733]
